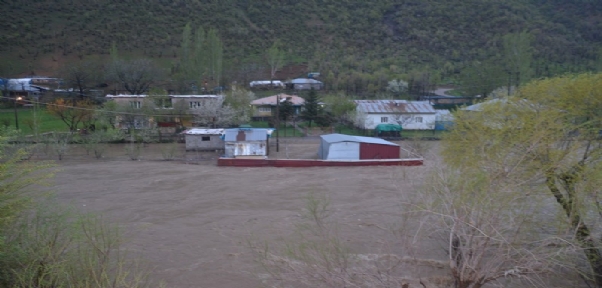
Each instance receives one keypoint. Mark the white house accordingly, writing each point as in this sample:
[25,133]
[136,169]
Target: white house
[411,115]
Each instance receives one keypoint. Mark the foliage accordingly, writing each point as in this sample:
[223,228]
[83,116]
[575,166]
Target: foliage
[311,107]
[59,143]
[340,108]
[357,46]
[275,58]
[15,177]
[213,113]
[286,110]
[543,142]
[97,141]
[73,112]
[44,244]
[200,62]
[480,78]
[238,100]
[58,247]
[518,57]
[397,87]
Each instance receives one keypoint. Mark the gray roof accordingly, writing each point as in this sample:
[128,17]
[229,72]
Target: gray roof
[305,81]
[252,134]
[395,106]
[335,138]
[204,131]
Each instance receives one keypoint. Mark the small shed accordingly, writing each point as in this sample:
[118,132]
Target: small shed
[348,147]
[204,139]
[246,142]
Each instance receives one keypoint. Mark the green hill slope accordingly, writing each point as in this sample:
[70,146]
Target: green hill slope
[380,37]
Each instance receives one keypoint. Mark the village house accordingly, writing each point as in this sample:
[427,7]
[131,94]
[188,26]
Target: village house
[172,110]
[265,108]
[28,90]
[304,84]
[411,115]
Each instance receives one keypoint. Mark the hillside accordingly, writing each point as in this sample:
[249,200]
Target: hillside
[345,39]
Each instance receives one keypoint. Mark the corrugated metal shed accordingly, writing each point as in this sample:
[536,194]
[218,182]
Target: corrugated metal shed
[348,147]
[246,142]
[334,138]
[395,106]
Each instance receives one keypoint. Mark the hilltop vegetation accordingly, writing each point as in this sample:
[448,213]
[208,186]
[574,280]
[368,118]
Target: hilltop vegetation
[357,45]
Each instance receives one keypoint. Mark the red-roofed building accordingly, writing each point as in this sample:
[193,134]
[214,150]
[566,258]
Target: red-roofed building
[266,107]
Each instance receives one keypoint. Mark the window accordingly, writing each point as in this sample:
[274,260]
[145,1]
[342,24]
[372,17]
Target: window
[163,102]
[384,119]
[195,105]
[418,119]
[265,109]
[205,138]
[135,104]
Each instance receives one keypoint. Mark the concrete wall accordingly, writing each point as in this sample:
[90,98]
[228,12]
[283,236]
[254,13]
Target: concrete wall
[195,142]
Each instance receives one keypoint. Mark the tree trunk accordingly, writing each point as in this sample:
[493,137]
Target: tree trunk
[582,232]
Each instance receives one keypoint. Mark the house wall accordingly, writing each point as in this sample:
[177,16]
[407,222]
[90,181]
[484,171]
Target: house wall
[195,142]
[407,121]
[343,151]
[307,86]
[257,113]
[232,149]
[378,151]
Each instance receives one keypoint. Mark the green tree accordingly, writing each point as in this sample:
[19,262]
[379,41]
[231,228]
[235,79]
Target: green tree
[518,57]
[215,55]
[286,110]
[546,138]
[311,107]
[481,77]
[275,58]
[341,109]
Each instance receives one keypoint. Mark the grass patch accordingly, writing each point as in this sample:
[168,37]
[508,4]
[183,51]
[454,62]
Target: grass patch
[259,124]
[45,122]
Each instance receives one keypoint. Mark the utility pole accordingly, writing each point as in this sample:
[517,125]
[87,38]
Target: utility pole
[16,114]
[277,123]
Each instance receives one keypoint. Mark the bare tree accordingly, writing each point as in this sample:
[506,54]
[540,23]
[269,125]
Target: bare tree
[81,76]
[488,226]
[135,76]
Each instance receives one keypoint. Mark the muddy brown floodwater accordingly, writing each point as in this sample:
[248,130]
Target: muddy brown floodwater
[190,220]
